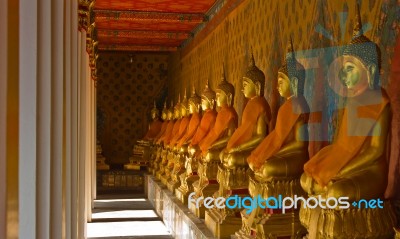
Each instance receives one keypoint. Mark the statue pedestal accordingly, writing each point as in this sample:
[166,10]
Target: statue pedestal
[101,164]
[163,164]
[131,166]
[368,223]
[179,168]
[206,186]
[155,163]
[272,223]
[225,222]
[185,189]
[176,216]
[187,178]
[221,225]
[166,176]
[100,159]
[200,211]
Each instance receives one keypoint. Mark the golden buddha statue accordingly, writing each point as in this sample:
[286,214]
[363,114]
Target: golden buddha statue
[161,160]
[142,148]
[178,151]
[213,143]
[207,103]
[157,148]
[233,170]
[278,160]
[194,104]
[354,165]
[155,126]
[170,154]
[100,159]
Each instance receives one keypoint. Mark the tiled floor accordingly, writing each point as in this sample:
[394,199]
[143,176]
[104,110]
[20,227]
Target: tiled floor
[125,217]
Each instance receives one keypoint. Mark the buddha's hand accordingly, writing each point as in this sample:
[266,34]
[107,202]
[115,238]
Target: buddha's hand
[233,150]
[222,155]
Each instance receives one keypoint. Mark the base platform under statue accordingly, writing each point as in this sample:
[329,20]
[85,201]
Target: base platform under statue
[176,216]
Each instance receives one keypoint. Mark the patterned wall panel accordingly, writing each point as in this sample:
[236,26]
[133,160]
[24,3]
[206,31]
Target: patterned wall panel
[125,94]
[264,28]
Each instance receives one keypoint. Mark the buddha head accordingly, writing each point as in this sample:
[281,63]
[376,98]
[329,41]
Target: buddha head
[291,75]
[361,61]
[184,106]
[225,92]
[207,98]
[177,109]
[170,112]
[154,112]
[194,102]
[253,80]
[164,112]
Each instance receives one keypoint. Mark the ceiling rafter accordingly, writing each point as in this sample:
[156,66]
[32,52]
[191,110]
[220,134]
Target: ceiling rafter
[137,16]
[101,33]
[136,48]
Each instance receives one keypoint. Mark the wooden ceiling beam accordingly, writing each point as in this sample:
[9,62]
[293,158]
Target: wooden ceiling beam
[101,34]
[136,48]
[102,15]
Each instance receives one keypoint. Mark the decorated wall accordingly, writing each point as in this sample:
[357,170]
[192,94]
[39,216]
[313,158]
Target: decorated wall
[264,27]
[127,86]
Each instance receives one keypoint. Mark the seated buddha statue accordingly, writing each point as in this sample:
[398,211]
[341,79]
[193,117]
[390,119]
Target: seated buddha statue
[161,138]
[155,126]
[207,120]
[178,153]
[142,148]
[170,154]
[195,118]
[277,162]
[185,117]
[233,170]
[156,148]
[213,143]
[161,160]
[355,164]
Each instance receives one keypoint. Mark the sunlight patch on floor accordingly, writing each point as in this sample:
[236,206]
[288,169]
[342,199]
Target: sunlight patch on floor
[137,228]
[122,200]
[125,214]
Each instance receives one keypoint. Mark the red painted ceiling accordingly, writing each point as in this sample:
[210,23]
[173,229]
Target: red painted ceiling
[147,25]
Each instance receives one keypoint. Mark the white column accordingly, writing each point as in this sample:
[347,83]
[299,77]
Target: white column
[38,120]
[67,157]
[3,113]
[75,61]
[88,146]
[28,136]
[44,85]
[94,143]
[57,97]
[82,115]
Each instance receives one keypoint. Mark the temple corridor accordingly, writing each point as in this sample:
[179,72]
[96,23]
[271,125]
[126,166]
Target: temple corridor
[200,119]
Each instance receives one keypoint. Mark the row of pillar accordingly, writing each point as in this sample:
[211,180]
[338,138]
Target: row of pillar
[47,121]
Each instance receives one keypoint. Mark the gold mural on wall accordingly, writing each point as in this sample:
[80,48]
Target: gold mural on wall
[126,88]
